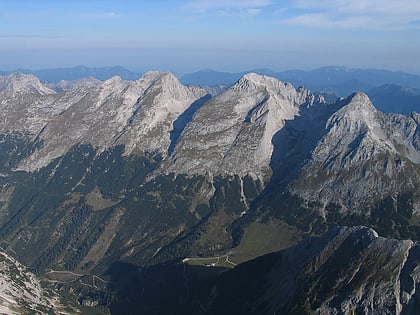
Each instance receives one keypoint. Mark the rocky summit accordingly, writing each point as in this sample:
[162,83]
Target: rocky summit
[104,182]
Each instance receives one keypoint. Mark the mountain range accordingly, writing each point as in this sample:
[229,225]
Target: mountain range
[151,180]
[55,75]
[387,89]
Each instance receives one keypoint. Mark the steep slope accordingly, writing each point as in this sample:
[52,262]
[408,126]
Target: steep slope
[232,133]
[21,291]
[29,113]
[23,83]
[348,270]
[138,114]
[363,157]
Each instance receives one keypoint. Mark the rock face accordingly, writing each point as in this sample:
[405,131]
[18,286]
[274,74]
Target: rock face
[138,114]
[363,152]
[21,291]
[348,270]
[23,83]
[232,133]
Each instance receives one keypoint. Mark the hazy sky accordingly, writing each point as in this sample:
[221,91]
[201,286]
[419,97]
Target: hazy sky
[225,35]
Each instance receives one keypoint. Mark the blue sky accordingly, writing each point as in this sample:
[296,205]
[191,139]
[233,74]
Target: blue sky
[225,35]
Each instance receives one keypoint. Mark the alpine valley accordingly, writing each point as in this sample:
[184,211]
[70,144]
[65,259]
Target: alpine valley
[152,197]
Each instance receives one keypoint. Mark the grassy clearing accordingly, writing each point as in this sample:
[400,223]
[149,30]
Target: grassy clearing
[97,201]
[262,238]
[259,239]
[62,276]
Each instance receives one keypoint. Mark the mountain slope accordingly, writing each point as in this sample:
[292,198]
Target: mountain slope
[231,134]
[151,172]
[364,153]
[21,291]
[116,112]
[348,270]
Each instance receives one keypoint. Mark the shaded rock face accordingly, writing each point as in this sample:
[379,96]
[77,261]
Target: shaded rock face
[348,270]
[362,156]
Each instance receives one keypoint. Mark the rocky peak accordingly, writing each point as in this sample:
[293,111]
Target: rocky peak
[138,114]
[232,133]
[358,111]
[23,83]
[362,151]
[152,76]
[164,89]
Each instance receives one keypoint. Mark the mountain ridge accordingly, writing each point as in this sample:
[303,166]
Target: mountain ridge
[151,172]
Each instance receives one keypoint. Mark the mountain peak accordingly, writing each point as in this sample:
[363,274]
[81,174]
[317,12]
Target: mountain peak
[26,83]
[360,97]
[258,80]
[112,82]
[357,107]
[236,128]
[154,76]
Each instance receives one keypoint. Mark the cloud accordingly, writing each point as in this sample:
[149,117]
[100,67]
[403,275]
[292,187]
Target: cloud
[101,15]
[245,8]
[355,14]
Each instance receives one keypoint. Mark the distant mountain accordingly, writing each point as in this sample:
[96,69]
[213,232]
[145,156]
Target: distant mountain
[340,80]
[210,78]
[65,85]
[79,72]
[347,80]
[392,98]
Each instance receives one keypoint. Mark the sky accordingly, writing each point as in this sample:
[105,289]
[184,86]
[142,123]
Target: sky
[223,35]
